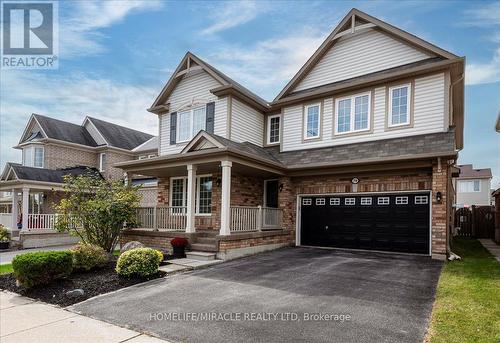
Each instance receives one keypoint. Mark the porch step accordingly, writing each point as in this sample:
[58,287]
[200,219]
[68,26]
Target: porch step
[203,247]
[205,240]
[200,255]
[206,233]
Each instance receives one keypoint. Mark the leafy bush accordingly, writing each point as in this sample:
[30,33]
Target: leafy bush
[38,268]
[179,242]
[88,256]
[140,262]
[4,234]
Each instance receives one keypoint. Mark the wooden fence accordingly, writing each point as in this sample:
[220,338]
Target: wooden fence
[475,222]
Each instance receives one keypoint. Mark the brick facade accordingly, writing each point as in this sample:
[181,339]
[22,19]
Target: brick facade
[440,218]
[57,157]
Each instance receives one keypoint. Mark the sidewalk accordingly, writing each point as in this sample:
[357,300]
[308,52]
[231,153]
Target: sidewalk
[25,320]
[492,247]
[6,257]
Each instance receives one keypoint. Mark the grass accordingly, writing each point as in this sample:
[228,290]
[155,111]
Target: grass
[116,253]
[5,268]
[467,306]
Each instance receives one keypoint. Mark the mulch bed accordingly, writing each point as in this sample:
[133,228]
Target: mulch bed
[93,283]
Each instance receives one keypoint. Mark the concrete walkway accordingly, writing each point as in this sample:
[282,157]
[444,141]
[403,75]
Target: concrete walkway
[492,247]
[25,320]
[7,256]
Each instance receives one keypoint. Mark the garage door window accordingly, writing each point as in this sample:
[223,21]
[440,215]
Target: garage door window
[335,201]
[366,201]
[421,200]
[350,201]
[401,200]
[383,201]
[320,201]
[306,202]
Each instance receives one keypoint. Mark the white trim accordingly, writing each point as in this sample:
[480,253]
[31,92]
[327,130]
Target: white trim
[408,102]
[102,167]
[268,135]
[352,115]
[87,118]
[184,190]
[304,128]
[191,123]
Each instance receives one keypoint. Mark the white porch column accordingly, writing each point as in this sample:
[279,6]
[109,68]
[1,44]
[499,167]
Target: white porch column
[15,209]
[225,211]
[26,199]
[191,194]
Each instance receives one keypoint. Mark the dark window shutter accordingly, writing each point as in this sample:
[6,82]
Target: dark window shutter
[210,117]
[173,127]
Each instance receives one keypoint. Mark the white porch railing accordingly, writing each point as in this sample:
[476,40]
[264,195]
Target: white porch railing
[244,218]
[42,221]
[166,218]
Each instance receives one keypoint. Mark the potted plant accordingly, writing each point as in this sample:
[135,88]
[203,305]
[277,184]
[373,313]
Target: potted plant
[4,237]
[179,245]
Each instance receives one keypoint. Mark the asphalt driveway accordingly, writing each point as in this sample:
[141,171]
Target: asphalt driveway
[266,298]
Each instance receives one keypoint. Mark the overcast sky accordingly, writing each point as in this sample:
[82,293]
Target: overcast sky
[115,56]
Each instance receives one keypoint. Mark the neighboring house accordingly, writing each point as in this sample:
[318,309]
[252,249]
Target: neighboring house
[53,148]
[357,151]
[473,186]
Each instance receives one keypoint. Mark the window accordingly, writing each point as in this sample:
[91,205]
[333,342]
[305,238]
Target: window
[35,201]
[320,201]
[353,113]
[143,157]
[469,186]
[399,105]
[366,201]
[312,121]
[401,200]
[38,157]
[33,156]
[203,196]
[350,201]
[335,201]
[28,157]
[383,201]
[151,156]
[421,200]
[189,123]
[306,202]
[273,129]
[102,161]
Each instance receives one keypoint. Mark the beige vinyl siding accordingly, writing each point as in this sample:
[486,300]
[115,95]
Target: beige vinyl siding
[247,124]
[94,133]
[428,117]
[359,54]
[195,87]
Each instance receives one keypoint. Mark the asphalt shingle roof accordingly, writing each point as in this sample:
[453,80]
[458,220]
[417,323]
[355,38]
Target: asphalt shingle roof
[64,131]
[120,136]
[49,175]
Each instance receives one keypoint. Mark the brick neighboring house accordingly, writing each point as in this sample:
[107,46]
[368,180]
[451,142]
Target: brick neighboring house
[357,151]
[53,148]
[473,186]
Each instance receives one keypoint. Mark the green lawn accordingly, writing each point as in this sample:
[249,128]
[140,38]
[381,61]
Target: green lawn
[467,306]
[5,268]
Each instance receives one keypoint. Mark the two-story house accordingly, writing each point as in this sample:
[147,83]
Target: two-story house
[53,148]
[473,186]
[355,152]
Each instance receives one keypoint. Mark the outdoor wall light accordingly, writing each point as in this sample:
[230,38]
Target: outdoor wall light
[438,197]
[280,187]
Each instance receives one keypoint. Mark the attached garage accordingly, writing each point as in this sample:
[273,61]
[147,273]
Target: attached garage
[398,222]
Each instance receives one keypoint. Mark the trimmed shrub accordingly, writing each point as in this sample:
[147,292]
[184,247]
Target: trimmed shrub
[4,234]
[140,262]
[39,268]
[88,256]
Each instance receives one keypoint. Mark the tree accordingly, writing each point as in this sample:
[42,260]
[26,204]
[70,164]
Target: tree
[96,210]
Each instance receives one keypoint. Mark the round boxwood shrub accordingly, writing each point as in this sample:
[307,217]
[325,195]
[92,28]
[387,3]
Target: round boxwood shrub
[88,256]
[140,262]
[39,268]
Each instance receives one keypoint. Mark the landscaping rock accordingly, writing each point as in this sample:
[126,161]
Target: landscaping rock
[131,245]
[75,293]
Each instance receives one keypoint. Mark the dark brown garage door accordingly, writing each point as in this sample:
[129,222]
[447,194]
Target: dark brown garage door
[388,222]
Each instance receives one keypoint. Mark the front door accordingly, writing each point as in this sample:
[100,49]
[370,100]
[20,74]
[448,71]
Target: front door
[271,193]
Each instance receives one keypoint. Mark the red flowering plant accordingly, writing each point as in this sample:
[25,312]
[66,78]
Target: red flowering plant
[179,242]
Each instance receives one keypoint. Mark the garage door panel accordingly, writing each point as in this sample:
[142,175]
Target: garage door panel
[396,222]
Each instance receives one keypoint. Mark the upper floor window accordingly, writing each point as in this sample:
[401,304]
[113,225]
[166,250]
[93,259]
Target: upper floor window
[399,105]
[273,129]
[353,113]
[102,161]
[189,123]
[33,156]
[312,121]
[469,186]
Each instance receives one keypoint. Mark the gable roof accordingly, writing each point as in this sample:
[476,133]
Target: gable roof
[467,171]
[354,20]
[119,136]
[50,175]
[190,62]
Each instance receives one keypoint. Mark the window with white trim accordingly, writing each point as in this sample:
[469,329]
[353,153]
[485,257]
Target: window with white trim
[33,156]
[143,157]
[366,201]
[350,201]
[334,201]
[190,122]
[383,201]
[312,121]
[273,129]
[320,201]
[401,200]
[38,157]
[421,200]
[151,156]
[102,161]
[203,193]
[399,105]
[306,202]
[353,113]
[469,186]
